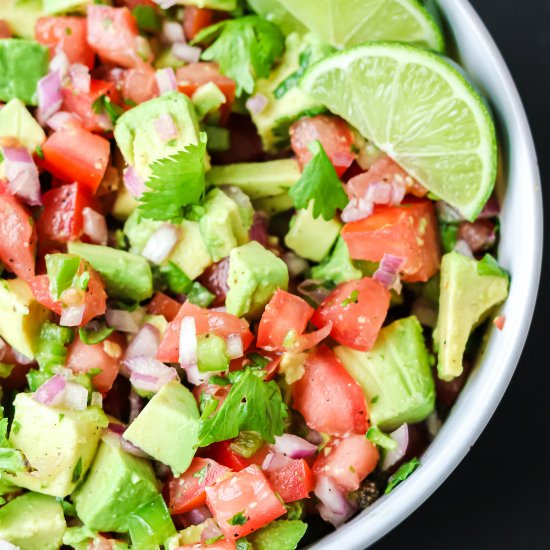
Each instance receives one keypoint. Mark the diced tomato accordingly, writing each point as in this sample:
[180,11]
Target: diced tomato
[82,104]
[243,503]
[95,297]
[356,310]
[113,35]
[270,369]
[74,154]
[163,305]
[408,230]
[61,219]
[221,452]
[220,323]
[131,4]
[191,77]
[105,356]
[214,279]
[5,31]
[196,19]
[328,398]
[139,85]
[187,491]
[334,134]
[294,481]
[17,237]
[347,461]
[68,34]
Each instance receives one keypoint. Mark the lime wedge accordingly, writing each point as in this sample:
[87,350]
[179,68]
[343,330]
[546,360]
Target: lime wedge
[349,22]
[417,108]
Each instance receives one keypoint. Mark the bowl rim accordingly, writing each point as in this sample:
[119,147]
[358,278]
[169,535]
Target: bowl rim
[465,423]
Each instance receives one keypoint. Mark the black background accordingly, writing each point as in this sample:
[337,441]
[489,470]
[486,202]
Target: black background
[499,497]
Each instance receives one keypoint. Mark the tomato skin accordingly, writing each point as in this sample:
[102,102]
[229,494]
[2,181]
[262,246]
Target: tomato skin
[139,85]
[334,134]
[17,237]
[294,481]
[357,310]
[74,154]
[187,491]
[193,76]
[104,355]
[163,305]
[222,453]
[61,219]
[237,494]
[347,461]
[408,230]
[196,19]
[220,323]
[5,31]
[67,33]
[328,398]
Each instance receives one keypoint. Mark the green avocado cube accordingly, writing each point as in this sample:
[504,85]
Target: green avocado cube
[21,16]
[312,238]
[59,443]
[126,276]
[116,485]
[54,7]
[254,275]
[137,136]
[338,267]
[22,64]
[395,375]
[16,121]
[33,522]
[278,535]
[21,316]
[222,5]
[150,524]
[466,298]
[274,205]
[171,415]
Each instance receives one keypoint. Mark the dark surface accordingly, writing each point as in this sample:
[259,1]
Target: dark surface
[499,497]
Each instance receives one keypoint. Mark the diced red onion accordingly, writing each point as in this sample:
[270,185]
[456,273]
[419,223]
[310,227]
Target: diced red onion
[257,103]
[75,396]
[4,348]
[122,320]
[116,427]
[51,391]
[401,437]
[59,62]
[200,515]
[275,461]
[334,507]
[133,182]
[165,127]
[490,210]
[166,80]
[479,235]
[296,265]
[61,119]
[258,230]
[72,316]
[234,343]
[188,342]
[80,77]
[172,31]
[189,54]
[383,192]
[425,312]
[313,289]
[387,273]
[131,449]
[355,210]
[145,343]
[22,174]
[21,359]
[446,213]
[49,96]
[95,226]
[462,248]
[136,405]
[335,518]
[210,531]
[161,243]
[293,446]
[195,377]
[96,400]
[148,374]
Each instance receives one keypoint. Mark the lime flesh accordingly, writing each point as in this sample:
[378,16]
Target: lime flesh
[420,111]
[349,22]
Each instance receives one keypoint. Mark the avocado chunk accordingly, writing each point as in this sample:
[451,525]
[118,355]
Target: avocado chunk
[33,522]
[254,275]
[286,100]
[126,276]
[59,443]
[124,205]
[312,238]
[138,138]
[257,179]
[338,267]
[190,253]
[466,298]
[223,225]
[395,375]
[150,524]
[222,5]
[16,121]
[22,64]
[279,535]
[274,205]
[54,7]
[170,416]
[116,485]
[21,16]
[21,316]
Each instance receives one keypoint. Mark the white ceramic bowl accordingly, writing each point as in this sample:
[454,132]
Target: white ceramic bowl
[520,252]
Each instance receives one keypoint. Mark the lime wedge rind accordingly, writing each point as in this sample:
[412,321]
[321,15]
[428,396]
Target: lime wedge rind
[389,92]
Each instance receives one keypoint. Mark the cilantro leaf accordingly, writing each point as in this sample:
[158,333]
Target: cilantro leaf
[245,48]
[251,404]
[201,474]
[488,266]
[238,519]
[320,183]
[77,472]
[404,471]
[175,183]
